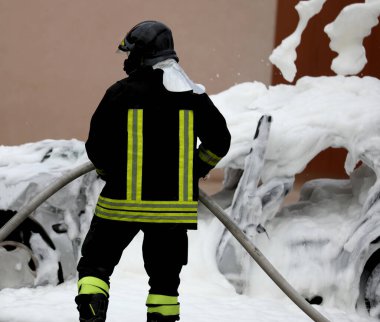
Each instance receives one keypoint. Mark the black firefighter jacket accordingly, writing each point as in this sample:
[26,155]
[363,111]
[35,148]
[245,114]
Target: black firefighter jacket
[143,143]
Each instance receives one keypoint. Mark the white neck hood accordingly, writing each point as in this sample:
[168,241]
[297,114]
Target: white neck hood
[175,79]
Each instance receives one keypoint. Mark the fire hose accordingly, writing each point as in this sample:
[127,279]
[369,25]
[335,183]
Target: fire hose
[252,250]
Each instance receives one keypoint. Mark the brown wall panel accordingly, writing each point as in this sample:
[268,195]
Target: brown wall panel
[57,57]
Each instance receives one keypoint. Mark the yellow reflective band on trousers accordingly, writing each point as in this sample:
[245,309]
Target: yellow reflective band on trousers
[135,154]
[208,157]
[92,285]
[186,148]
[157,299]
[163,304]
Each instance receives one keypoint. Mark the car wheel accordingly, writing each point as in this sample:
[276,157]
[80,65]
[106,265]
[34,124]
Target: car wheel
[370,285]
[18,265]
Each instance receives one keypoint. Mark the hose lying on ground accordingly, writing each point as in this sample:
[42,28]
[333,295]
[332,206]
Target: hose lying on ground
[260,259]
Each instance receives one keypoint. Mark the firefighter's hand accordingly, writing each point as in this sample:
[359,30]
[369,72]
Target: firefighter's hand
[102,174]
[206,177]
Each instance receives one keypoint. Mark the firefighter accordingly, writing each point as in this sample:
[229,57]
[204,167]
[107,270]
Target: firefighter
[143,143]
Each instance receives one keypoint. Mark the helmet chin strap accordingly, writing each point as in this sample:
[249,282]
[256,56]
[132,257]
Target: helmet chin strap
[132,63]
[127,67]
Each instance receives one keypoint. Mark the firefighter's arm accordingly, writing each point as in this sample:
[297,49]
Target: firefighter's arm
[98,141]
[214,136]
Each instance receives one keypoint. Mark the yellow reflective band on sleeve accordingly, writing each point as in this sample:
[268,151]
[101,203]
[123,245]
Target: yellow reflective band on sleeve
[186,154]
[158,299]
[92,285]
[135,154]
[165,310]
[208,157]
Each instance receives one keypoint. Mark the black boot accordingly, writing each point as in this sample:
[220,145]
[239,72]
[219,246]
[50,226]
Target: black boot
[92,307]
[156,317]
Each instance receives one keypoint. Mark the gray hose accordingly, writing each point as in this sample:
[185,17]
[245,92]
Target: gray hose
[255,253]
[25,211]
[260,259]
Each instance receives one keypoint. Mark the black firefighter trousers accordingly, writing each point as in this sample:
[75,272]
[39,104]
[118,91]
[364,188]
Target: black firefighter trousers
[164,248]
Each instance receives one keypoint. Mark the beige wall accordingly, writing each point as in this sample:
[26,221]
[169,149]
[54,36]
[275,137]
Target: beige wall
[57,56]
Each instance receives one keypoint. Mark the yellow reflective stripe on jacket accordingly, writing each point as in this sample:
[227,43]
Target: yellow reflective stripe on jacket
[147,205]
[135,154]
[147,214]
[92,285]
[147,211]
[133,208]
[208,157]
[146,217]
[186,148]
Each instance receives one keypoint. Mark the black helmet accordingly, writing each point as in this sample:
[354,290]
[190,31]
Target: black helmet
[147,43]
